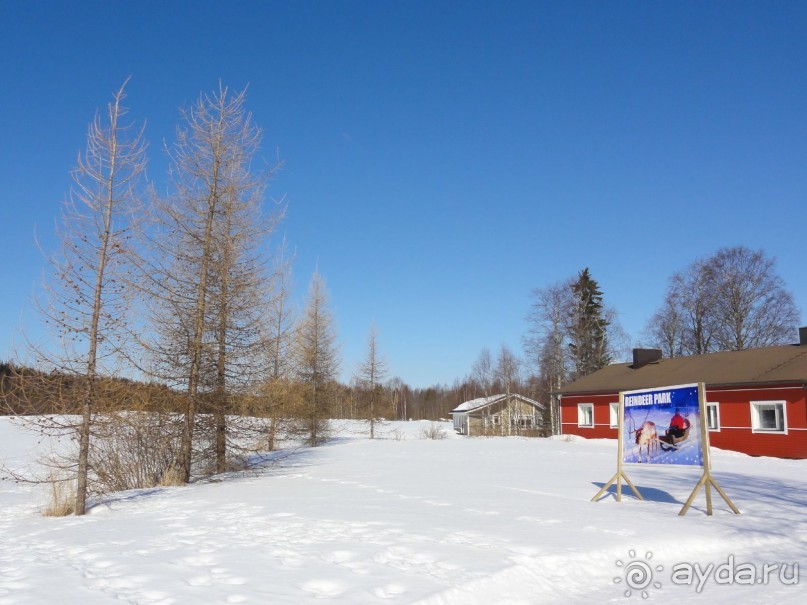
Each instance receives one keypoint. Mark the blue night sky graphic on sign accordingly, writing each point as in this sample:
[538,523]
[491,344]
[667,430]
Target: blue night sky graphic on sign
[662,426]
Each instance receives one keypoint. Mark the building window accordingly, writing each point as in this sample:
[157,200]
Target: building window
[585,414]
[614,415]
[768,417]
[713,416]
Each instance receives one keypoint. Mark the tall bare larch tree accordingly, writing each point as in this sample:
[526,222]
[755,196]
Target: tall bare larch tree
[277,391]
[86,301]
[317,357]
[207,276]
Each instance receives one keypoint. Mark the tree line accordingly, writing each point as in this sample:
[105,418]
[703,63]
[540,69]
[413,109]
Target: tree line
[731,300]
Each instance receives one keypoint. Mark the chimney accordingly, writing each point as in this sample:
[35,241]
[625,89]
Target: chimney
[642,357]
[803,336]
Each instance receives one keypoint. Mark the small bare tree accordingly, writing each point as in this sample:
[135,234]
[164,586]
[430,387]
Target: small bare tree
[370,376]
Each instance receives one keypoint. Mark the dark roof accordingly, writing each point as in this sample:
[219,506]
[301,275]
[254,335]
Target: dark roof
[786,364]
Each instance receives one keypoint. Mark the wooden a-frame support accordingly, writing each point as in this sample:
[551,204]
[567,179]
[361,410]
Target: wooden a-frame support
[706,480]
[620,473]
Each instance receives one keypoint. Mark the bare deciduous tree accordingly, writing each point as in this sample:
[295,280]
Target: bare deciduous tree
[666,329]
[508,375]
[730,301]
[508,370]
[693,292]
[546,343]
[752,307]
[482,372]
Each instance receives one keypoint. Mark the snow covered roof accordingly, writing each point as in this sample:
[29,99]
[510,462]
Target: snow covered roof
[481,402]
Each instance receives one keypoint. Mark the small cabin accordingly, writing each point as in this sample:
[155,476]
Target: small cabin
[503,414]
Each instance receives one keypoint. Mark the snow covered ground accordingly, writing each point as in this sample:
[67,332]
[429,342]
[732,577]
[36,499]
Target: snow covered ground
[455,521]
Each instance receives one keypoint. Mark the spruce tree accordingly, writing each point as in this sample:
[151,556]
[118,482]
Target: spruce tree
[588,328]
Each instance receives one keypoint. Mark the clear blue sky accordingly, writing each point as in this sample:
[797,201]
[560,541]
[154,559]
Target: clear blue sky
[443,159]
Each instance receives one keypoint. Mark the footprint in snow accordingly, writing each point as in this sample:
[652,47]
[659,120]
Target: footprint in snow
[323,588]
[390,591]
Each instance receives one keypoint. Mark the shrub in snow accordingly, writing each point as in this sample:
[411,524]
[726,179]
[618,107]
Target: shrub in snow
[61,496]
[433,431]
[135,450]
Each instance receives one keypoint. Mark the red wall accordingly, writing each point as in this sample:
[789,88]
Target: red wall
[602,416]
[735,420]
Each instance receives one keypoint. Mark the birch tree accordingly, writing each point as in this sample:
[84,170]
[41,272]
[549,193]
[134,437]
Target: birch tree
[729,301]
[546,342]
[508,372]
[482,372]
[752,307]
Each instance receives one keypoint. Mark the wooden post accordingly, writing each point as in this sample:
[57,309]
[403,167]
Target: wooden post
[706,480]
[620,473]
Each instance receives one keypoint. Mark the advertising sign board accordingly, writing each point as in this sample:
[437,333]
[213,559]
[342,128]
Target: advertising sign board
[662,426]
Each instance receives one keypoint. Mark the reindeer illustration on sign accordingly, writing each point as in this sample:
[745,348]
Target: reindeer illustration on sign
[646,438]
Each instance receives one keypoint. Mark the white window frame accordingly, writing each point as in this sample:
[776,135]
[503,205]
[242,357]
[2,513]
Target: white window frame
[716,406]
[581,407]
[614,407]
[780,408]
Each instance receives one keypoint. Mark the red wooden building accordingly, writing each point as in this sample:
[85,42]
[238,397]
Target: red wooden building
[756,399]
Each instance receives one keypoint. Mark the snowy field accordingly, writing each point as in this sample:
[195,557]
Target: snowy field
[454,521]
